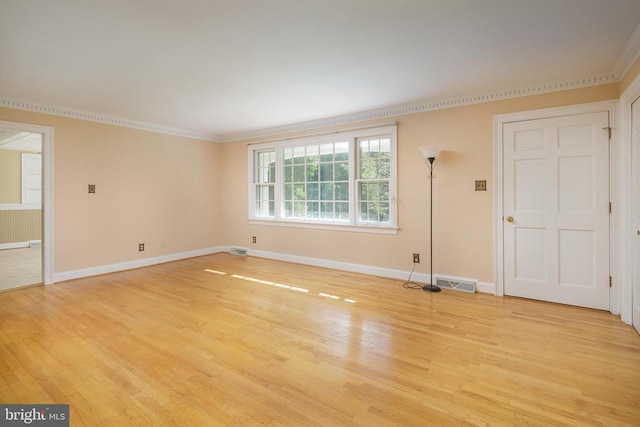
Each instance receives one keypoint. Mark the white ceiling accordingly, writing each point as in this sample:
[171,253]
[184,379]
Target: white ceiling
[227,68]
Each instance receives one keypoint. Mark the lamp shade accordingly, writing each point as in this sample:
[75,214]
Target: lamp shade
[430,152]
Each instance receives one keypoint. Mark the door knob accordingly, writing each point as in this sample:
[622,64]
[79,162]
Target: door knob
[509,219]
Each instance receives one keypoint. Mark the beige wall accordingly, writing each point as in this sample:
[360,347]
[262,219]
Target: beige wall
[10,177]
[158,189]
[463,218]
[186,194]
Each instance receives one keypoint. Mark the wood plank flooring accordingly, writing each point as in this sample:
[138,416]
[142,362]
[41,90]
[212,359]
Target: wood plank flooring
[224,340]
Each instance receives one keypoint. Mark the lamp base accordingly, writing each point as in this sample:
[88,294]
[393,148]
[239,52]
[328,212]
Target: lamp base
[431,288]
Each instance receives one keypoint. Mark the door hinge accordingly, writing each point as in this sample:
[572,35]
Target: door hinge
[610,207]
[610,281]
[608,128]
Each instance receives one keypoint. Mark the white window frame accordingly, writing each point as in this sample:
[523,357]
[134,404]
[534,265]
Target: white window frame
[352,224]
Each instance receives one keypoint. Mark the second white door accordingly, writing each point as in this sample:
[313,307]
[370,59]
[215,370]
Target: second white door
[556,209]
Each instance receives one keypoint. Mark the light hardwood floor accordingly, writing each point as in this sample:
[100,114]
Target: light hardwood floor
[224,340]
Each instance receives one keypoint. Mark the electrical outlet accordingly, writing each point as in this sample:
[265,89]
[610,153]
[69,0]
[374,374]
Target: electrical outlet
[140,247]
[92,188]
[253,239]
[416,258]
[481,185]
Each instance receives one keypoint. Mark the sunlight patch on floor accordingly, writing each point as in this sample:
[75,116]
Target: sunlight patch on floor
[289,287]
[214,271]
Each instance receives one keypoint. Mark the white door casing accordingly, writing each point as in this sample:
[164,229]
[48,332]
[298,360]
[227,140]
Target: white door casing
[554,176]
[47,192]
[635,210]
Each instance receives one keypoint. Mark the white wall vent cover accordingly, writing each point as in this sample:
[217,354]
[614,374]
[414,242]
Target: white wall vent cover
[238,251]
[456,284]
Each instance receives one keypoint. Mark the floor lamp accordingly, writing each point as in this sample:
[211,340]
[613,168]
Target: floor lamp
[431,159]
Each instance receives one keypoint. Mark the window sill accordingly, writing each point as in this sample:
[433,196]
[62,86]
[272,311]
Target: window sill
[375,229]
[20,206]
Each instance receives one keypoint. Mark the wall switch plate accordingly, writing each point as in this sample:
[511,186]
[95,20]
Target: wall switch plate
[481,185]
[92,188]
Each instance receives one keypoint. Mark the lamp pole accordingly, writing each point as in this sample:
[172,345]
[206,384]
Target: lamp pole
[431,287]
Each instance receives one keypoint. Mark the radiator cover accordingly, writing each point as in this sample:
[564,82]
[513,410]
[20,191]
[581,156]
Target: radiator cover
[455,284]
[238,251]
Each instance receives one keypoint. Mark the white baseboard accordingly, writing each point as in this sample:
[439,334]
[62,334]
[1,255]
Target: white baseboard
[486,288]
[14,245]
[403,275]
[112,268]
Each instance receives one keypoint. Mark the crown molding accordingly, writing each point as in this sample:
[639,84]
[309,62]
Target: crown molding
[629,55]
[103,118]
[428,105]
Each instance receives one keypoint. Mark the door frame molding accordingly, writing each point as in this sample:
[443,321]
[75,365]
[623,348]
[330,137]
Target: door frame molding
[625,243]
[47,194]
[498,226]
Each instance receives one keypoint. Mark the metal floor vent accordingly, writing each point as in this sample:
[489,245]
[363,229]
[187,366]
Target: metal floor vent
[238,251]
[456,285]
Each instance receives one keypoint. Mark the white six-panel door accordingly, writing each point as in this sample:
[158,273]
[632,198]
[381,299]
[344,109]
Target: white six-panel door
[556,209]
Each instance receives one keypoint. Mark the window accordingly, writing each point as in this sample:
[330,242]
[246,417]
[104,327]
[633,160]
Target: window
[374,173]
[31,178]
[344,179]
[265,183]
[316,182]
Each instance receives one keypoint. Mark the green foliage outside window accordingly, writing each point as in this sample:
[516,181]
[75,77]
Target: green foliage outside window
[316,180]
[374,171]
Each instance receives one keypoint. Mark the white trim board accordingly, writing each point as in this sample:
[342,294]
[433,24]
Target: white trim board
[102,118]
[20,207]
[15,245]
[623,207]
[388,273]
[428,105]
[362,116]
[401,275]
[47,192]
[129,265]
[629,55]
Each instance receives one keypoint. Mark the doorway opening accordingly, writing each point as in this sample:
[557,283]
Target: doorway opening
[26,205]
